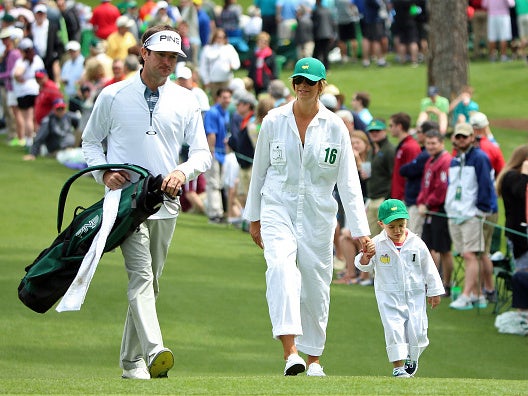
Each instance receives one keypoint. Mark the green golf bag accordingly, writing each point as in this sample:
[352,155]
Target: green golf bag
[48,278]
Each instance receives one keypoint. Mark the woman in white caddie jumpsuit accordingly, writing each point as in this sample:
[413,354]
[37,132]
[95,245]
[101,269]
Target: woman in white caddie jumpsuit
[303,150]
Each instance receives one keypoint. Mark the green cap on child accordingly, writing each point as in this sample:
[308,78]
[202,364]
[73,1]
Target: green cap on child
[392,209]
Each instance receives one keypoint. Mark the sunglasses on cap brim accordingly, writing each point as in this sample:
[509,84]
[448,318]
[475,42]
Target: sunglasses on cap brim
[297,80]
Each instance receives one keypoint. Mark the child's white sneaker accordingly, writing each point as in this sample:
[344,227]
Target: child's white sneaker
[399,372]
[315,370]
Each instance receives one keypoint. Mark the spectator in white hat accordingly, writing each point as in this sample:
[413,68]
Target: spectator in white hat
[72,69]
[479,121]
[184,77]
[25,86]
[160,14]
[47,42]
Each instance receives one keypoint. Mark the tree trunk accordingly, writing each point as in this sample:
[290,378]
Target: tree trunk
[448,51]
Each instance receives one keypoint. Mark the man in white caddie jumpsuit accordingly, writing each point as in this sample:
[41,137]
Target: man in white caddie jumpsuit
[303,150]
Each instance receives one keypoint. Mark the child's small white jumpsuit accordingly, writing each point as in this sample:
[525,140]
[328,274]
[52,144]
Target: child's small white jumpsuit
[291,194]
[402,281]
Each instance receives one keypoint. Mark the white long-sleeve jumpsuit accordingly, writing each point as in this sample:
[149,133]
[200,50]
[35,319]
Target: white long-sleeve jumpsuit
[291,194]
[402,281]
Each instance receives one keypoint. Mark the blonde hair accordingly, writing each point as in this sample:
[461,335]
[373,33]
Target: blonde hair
[264,36]
[364,138]
[519,155]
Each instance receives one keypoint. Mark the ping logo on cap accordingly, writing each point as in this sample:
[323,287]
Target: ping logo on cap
[166,37]
[165,40]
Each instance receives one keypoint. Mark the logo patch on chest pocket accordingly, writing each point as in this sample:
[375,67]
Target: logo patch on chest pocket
[278,153]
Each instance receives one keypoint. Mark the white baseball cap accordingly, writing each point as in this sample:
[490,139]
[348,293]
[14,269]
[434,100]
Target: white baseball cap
[184,72]
[124,21]
[40,8]
[329,101]
[73,46]
[25,44]
[12,33]
[478,120]
[165,41]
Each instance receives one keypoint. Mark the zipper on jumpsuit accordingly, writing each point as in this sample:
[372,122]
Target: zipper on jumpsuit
[402,271]
[301,188]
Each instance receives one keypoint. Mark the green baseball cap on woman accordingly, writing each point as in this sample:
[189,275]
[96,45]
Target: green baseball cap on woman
[311,68]
[392,209]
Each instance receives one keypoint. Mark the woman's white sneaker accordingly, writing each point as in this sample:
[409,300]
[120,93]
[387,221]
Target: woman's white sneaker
[294,365]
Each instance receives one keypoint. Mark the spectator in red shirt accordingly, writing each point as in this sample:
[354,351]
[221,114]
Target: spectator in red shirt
[407,150]
[48,93]
[104,19]
[431,201]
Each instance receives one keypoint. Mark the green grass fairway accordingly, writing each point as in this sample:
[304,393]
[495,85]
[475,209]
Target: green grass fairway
[212,305]
[214,316]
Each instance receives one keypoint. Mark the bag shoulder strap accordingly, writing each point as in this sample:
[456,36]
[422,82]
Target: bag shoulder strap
[64,192]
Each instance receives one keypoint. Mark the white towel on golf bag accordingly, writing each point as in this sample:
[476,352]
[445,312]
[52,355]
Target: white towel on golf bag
[74,296]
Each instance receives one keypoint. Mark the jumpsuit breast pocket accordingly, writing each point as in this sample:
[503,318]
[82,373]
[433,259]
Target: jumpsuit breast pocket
[278,153]
[412,257]
[329,154]
[412,261]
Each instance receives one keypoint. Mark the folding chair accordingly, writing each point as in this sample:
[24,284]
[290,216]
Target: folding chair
[503,270]
[457,279]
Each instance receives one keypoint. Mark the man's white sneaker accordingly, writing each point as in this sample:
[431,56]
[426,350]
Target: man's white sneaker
[462,303]
[136,373]
[315,370]
[161,363]
[294,365]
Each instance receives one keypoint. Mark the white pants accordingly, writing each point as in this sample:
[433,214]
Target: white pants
[145,252]
[298,279]
[405,323]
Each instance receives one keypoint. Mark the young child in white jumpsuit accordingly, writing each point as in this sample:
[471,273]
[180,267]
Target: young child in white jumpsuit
[405,276]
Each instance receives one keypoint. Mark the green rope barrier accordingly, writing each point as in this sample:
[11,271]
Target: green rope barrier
[511,231]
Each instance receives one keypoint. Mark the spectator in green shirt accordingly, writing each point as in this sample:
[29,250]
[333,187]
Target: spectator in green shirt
[434,108]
